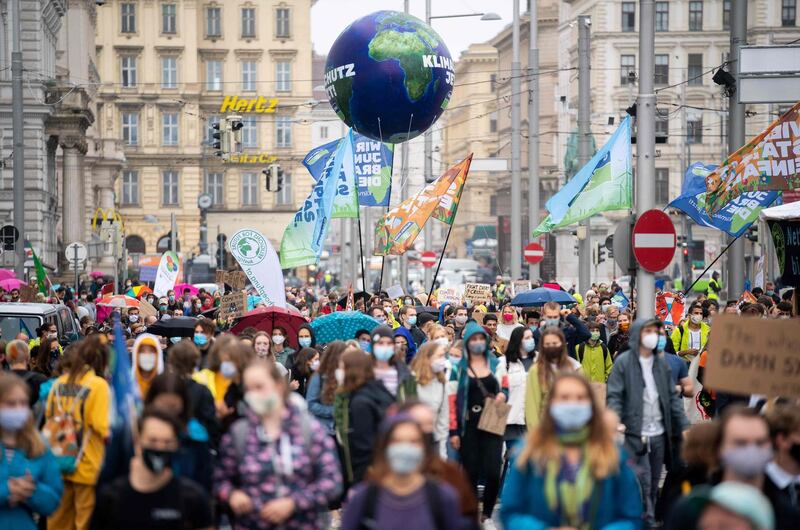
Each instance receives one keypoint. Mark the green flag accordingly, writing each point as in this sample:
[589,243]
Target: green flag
[41,275]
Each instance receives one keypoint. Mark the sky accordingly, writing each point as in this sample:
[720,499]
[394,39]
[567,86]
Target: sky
[330,17]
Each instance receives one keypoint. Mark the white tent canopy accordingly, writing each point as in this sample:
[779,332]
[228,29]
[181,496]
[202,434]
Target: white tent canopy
[782,212]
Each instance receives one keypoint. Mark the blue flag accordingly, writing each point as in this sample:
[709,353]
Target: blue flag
[124,391]
[620,300]
[734,218]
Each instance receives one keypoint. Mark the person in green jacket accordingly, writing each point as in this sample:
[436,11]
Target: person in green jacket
[594,356]
[690,338]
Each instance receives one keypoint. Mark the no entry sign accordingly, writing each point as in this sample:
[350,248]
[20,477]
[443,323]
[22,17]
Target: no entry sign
[534,253]
[654,240]
[428,259]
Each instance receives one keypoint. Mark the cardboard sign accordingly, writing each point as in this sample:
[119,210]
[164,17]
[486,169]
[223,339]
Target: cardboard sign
[219,279]
[448,295]
[749,355]
[520,286]
[395,291]
[499,344]
[236,279]
[233,305]
[27,293]
[477,293]
[146,309]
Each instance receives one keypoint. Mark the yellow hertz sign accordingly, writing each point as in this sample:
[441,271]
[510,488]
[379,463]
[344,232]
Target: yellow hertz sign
[111,216]
[239,105]
[261,158]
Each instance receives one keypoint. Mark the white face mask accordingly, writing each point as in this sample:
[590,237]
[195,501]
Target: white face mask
[278,339]
[439,365]
[147,361]
[650,341]
[696,319]
[442,341]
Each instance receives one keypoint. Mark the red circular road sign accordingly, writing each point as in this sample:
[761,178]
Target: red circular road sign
[653,240]
[428,259]
[533,253]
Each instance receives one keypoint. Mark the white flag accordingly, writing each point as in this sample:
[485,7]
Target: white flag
[260,263]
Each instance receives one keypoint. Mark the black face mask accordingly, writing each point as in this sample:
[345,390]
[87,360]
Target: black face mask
[157,461]
[794,452]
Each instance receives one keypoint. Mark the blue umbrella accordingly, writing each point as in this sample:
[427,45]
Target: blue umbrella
[540,296]
[341,325]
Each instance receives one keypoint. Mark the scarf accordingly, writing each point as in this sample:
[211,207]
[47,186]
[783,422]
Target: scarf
[568,495]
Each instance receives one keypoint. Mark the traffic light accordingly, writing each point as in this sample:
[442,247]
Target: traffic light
[274,174]
[598,254]
[217,138]
[235,125]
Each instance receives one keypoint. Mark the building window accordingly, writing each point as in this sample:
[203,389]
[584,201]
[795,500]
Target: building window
[627,70]
[128,12]
[493,83]
[249,132]
[169,72]
[694,131]
[169,128]
[662,185]
[323,132]
[493,122]
[249,189]
[662,124]
[130,187]
[214,185]
[628,16]
[695,74]
[249,69]
[696,16]
[128,71]
[170,186]
[283,131]
[169,19]
[213,75]
[213,22]
[662,69]
[662,16]
[130,128]
[248,22]
[283,76]
[282,22]
[788,13]
[284,197]
[210,122]
[726,14]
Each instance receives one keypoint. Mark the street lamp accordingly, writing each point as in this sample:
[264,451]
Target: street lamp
[484,16]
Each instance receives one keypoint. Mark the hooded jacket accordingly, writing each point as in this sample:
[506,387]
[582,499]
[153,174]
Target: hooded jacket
[625,389]
[575,331]
[149,340]
[412,346]
[458,387]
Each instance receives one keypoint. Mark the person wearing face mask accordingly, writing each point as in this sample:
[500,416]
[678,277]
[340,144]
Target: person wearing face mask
[151,495]
[322,386]
[363,338]
[552,358]
[477,376]
[641,392]
[379,314]
[306,363]
[518,356]
[570,473]
[404,345]
[568,321]
[429,368]
[389,369]
[147,361]
[618,342]
[783,473]
[306,337]
[263,349]
[460,320]
[223,377]
[360,406]
[29,473]
[204,337]
[594,356]
[690,338]
[508,322]
[408,320]
[282,352]
[397,494]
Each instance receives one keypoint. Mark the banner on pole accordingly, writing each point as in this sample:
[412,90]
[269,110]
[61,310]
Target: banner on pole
[260,263]
[167,273]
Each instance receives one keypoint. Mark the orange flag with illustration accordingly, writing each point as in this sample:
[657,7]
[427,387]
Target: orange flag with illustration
[396,231]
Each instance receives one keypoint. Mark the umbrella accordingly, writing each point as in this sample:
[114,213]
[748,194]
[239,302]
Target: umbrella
[11,283]
[540,296]
[138,291]
[341,325]
[174,327]
[360,295]
[96,274]
[427,309]
[6,274]
[183,286]
[118,300]
[267,318]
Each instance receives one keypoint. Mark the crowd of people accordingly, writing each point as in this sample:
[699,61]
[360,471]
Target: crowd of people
[461,416]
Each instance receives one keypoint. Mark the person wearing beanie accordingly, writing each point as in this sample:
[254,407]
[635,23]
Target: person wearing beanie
[390,367]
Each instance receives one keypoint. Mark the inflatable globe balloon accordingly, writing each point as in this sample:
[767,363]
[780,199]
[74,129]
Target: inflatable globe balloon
[389,76]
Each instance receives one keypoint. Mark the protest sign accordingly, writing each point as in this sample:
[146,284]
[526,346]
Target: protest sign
[146,309]
[499,344]
[748,355]
[233,305]
[520,286]
[746,298]
[167,273]
[448,295]
[395,291]
[219,279]
[236,279]
[786,238]
[669,307]
[477,293]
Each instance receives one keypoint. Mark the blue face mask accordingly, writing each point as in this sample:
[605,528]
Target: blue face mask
[365,345]
[662,343]
[412,321]
[571,416]
[477,346]
[304,342]
[176,340]
[528,345]
[200,339]
[383,352]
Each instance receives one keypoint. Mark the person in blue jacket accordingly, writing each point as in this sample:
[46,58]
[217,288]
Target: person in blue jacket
[570,472]
[30,480]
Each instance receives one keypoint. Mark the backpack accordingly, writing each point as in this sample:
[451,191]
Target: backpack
[582,348]
[63,432]
[432,494]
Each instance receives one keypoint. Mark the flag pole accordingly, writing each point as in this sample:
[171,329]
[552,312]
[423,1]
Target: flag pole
[361,248]
[724,250]
[441,256]
[388,207]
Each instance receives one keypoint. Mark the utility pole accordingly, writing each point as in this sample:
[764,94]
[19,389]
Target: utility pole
[645,145]
[533,127]
[403,268]
[516,188]
[18,131]
[584,131]
[736,138]
[428,229]
[173,233]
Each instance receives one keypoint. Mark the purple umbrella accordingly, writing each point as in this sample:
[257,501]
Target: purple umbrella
[11,283]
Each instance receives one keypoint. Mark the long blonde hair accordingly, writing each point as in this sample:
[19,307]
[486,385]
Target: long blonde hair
[421,365]
[542,444]
[28,438]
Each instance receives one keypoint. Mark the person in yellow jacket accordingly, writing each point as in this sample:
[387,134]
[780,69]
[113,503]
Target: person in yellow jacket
[82,381]
[714,287]
[551,359]
[594,356]
[690,338]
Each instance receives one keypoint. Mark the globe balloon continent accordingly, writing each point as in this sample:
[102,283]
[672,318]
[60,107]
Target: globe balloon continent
[389,76]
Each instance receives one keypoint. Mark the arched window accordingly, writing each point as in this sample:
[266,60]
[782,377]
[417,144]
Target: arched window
[135,245]
[163,244]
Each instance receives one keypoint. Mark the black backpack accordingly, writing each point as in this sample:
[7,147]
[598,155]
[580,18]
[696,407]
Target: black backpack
[434,504]
[582,348]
